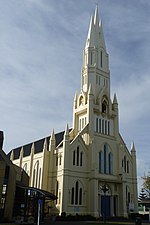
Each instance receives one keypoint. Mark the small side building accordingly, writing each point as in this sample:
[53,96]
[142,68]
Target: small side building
[10,175]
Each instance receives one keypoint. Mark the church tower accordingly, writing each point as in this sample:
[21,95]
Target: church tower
[95,86]
[95,121]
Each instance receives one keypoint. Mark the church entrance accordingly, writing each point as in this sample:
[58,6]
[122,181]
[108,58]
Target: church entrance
[105,206]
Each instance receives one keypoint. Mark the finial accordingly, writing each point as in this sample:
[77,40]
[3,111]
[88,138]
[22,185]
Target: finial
[132,147]
[115,99]
[67,130]
[53,135]
[96,19]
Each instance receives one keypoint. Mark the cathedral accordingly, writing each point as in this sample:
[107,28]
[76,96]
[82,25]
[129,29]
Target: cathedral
[88,167]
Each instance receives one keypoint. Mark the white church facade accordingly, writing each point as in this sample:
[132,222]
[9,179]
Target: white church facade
[88,167]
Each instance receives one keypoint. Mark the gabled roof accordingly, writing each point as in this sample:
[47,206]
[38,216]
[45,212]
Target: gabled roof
[39,145]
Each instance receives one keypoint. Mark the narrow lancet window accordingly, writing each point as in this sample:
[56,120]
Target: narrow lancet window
[101,59]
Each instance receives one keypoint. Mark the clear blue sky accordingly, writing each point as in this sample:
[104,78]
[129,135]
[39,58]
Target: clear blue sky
[41,44]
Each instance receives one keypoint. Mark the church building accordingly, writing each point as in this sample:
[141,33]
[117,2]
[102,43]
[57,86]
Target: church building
[88,167]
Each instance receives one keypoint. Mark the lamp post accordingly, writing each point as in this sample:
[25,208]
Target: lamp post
[104,188]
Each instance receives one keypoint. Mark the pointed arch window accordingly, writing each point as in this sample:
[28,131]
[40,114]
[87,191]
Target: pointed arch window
[99,125]
[102,126]
[80,196]
[74,157]
[108,128]
[110,160]
[81,101]
[57,186]
[104,107]
[101,59]
[106,160]
[101,162]
[77,194]
[78,156]
[125,167]
[81,153]
[105,126]
[72,196]
[35,180]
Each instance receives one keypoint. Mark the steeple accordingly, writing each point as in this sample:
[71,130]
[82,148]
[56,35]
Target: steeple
[95,37]
[95,69]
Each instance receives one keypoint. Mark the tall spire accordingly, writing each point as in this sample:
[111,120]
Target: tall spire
[95,36]
[96,18]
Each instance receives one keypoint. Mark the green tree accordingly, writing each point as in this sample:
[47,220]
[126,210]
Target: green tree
[146,183]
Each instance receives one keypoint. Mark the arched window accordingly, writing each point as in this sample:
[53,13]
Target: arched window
[80,196]
[35,180]
[106,160]
[78,156]
[81,101]
[81,153]
[101,58]
[100,126]
[125,164]
[57,186]
[104,107]
[74,156]
[101,162]
[110,159]
[72,196]
[77,194]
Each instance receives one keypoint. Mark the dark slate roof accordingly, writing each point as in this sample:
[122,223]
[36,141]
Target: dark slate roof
[39,144]
[27,149]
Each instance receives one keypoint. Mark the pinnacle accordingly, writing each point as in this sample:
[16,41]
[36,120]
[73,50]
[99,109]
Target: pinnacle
[115,99]
[67,130]
[132,147]
[95,36]
[96,18]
